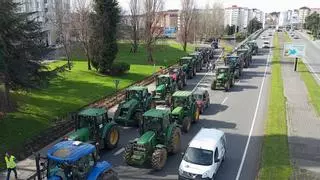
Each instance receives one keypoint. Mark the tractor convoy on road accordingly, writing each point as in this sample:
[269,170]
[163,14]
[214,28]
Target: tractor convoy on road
[161,116]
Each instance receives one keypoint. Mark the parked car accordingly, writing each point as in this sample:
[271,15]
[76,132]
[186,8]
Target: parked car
[204,155]
[266,44]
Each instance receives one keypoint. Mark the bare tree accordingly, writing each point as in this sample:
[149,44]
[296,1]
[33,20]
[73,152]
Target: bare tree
[152,16]
[135,14]
[60,18]
[81,23]
[186,16]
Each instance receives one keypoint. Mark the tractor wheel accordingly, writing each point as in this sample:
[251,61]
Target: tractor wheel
[190,75]
[128,151]
[232,82]
[169,99]
[138,117]
[159,158]
[207,104]
[194,71]
[152,105]
[196,115]
[213,85]
[174,141]
[108,175]
[186,124]
[112,138]
[180,85]
[227,86]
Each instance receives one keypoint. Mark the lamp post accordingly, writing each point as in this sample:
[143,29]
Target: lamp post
[116,83]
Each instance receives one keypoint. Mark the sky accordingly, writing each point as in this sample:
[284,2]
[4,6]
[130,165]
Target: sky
[264,5]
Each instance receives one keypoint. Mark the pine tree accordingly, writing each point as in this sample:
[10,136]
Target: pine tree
[105,25]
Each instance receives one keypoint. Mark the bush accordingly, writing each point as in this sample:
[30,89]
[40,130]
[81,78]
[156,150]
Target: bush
[119,68]
[240,37]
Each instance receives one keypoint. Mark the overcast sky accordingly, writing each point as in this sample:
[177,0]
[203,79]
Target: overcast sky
[264,5]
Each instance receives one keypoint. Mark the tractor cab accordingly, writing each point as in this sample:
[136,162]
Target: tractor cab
[155,120]
[189,66]
[222,71]
[136,92]
[247,56]
[182,99]
[253,44]
[69,160]
[186,60]
[198,59]
[164,80]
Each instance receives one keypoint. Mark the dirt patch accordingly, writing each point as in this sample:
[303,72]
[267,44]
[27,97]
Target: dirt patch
[299,174]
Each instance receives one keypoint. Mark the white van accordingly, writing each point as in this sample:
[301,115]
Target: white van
[204,155]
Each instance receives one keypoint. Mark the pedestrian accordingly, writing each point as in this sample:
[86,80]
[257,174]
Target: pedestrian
[11,165]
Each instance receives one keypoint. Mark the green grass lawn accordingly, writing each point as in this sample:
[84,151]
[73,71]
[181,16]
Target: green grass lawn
[74,89]
[312,86]
[287,38]
[275,162]
[227,47]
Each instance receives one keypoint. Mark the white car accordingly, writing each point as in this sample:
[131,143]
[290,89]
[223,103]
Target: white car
[266,44]
[264,37]
[204,155]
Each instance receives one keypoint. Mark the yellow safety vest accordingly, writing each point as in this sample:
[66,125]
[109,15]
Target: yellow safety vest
[10,162]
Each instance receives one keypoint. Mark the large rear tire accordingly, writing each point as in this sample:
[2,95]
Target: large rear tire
[159,158]
[227,86]
[175,141]
[108,175]
[128,151]
[180,85]
[138,117]
[184,80]
[186,124]
[213,85]
[112,138]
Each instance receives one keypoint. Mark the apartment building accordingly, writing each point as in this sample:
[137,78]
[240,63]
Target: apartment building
[303,13]
[45,12]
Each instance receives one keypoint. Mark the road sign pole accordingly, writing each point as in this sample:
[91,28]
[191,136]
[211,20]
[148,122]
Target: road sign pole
[295,64]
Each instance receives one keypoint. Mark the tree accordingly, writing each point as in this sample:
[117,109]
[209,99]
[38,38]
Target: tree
[254,25]
[313,24]
[60,18]
[21,46]
[186,16]
[81,23]
[135,14]
[152,15]
[105,22]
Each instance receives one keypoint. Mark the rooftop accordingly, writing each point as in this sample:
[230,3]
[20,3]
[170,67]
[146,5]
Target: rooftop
[156,113]
[70,151]
[199,91]
[137,88]
[206,138]
[92,112]
[182,93]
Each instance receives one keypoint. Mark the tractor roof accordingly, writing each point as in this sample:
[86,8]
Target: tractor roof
[222,67]
[156,113]
[182,93]
[232,56]
[186,58]
[203,46]
[92,112]
[164,75]
[194,54]
[70,151]
[243,49]
[137,88]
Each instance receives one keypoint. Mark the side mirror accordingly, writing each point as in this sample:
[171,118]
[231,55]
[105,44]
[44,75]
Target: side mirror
[217,160]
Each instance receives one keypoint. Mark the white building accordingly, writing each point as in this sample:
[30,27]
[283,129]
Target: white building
[232,16]
[283,19]
[303,13]
[45,12]
[244,20]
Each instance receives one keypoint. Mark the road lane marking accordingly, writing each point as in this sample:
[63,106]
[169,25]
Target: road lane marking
[118,152]
[311,69]
[225,99]
[254,119]
[205,75]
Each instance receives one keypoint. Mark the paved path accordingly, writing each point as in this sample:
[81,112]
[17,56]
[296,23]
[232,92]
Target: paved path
[303,125]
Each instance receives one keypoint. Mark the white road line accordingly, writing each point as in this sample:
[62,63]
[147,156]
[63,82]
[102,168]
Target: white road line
[225,99]
[118,152]
[311,68]
[253,120]
[205,75]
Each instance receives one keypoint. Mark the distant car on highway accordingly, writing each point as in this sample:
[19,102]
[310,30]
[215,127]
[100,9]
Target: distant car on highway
[296,37]
[266,44]
[264,37]
[204,155]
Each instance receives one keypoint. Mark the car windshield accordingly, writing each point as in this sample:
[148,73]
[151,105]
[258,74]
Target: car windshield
[132,95]
[198,96]
[60,169]
[179,102]
[199,156]
[163,80]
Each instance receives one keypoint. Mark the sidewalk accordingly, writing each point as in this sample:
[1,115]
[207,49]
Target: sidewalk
[303,125]
[305,35]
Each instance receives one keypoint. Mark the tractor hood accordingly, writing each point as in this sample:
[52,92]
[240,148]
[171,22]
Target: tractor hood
[220,76]
[130,103]
[146,138]
[79,135]
[160,88]
[177,111]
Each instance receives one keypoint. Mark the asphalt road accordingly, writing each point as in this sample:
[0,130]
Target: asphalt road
[233,112]
[311,55]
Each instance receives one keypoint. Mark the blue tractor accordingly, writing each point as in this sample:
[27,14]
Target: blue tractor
[69,160]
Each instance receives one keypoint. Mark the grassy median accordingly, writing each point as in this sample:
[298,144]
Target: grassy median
[312,86]
[275,162]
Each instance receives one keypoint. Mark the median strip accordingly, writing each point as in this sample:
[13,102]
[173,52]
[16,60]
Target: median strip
[275,162]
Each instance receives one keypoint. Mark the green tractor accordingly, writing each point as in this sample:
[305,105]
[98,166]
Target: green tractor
[137,101]
[189,66]
[236,64]
[93,126]
[247,56]
[185,109]
[254,46]
[199,60]
[178,75]
[159,136]
[223,77]
[165,87]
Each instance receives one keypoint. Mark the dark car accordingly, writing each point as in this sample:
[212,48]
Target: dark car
[202,98]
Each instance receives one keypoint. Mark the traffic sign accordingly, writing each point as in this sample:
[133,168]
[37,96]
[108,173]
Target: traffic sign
[294,50]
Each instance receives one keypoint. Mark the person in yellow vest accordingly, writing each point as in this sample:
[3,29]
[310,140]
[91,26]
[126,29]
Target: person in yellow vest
[11,165]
